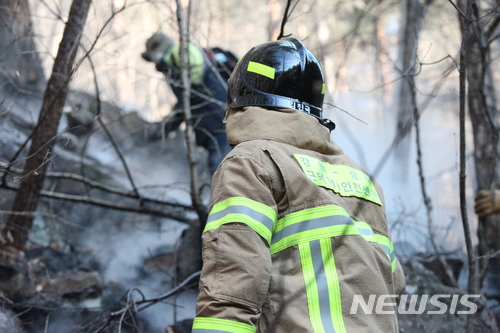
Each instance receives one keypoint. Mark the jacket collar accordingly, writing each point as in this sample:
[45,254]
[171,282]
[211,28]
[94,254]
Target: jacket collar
[286,126]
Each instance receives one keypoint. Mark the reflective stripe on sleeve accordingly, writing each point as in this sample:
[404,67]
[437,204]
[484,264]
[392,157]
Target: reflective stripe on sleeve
[384,242]
[388,247]
[256,215]
[216,325]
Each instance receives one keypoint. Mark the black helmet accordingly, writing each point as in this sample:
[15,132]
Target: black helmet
[279,74]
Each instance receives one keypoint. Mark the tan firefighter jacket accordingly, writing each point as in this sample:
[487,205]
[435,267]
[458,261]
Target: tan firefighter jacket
[296,229]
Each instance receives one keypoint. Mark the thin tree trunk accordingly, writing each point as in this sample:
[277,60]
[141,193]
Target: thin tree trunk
[448,274]
[16,231]
[472,281]
[408,112]
[414,16]
[189,252]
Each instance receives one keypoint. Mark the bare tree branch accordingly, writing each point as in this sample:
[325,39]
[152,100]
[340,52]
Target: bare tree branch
[139,208]
[133,306]
[286,15]
[489,256]
[450,278]
[186,103]
[146,303]
[106,130]
[458,10]
[102,187]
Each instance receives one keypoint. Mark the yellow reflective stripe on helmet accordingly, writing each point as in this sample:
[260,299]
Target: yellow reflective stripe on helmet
[342,179]
[322,286]
[261,69]
[323,89]
[216,325]
[256,215]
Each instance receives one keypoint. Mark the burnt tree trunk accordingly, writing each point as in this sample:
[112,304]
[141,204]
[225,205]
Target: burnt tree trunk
[483,114]
[16,230]
[414,15]
[21,66]
[189,252]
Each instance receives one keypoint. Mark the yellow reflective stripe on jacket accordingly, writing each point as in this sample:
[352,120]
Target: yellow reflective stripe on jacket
[256,215]
[322,286]
[333,283]
[215,325]
[196,61]
[311,224]
[324,222]
[388,247]
[384,242]
[311,286]
[296,228]
[341,179]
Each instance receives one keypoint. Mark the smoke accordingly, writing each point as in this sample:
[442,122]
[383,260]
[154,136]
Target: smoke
[367,143]
[139,251]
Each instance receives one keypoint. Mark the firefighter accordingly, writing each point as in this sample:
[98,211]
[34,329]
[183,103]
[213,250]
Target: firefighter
[208,94]
[296,228]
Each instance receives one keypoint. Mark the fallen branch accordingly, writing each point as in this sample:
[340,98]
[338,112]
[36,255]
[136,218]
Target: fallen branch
[146,303]
[47,215]
[127,208]
[489,256]
[97,185]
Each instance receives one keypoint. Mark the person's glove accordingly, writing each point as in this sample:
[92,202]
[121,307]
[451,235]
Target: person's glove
[487,202]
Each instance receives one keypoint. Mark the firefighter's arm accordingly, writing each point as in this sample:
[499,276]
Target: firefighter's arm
[234,280]
[487,202]
[236,257]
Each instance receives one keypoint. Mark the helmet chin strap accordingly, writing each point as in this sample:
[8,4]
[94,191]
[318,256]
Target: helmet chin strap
[328,124]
